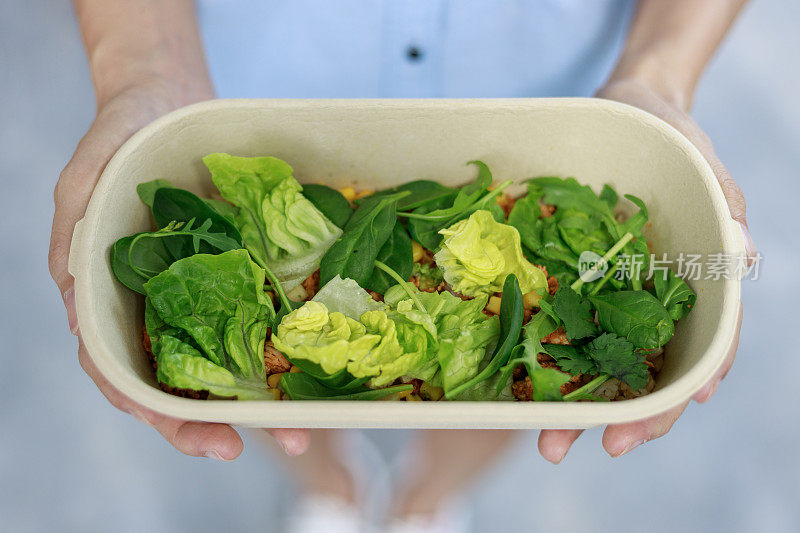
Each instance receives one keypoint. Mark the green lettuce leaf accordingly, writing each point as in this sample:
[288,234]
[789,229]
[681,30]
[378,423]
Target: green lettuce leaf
[347,297]
[280,227]
[478,253]
[218,301]
[331,340]
[463,333]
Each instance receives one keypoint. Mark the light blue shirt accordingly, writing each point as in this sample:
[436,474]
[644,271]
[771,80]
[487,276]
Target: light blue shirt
[411,48]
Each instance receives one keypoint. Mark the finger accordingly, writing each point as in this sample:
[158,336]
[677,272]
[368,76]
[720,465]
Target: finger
[198,439]
[555,443]
[74,188]
[620,439]
[293,441]
[708,390]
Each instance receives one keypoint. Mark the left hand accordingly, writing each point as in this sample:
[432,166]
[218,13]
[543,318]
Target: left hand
[619,439]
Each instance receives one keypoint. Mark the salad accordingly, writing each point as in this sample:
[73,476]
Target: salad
[423,292]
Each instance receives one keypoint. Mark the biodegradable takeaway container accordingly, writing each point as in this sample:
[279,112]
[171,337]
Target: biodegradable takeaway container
[373,144]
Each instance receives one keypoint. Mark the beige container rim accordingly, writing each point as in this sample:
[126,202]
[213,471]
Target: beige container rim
[520,415]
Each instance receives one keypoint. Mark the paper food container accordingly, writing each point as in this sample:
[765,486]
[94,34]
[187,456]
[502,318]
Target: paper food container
[373,144]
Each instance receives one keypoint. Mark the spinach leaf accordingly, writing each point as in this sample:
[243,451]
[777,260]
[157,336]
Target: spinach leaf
[674,293]
[139,257]
[634,315]
[574,312]
[525,217]
[353,255]
[397,254]
[422,192]
[171,204]
[147,190]
[616,357]
[330,202]
[341,380]
[301,386]
[424,231]
[511,315]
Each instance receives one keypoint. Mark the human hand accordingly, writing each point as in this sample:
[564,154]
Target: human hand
[619,439]
[119,117]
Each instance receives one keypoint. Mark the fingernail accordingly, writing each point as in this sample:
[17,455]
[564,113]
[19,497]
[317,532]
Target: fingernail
[631,446]
[285,448]
[749,245]
[214,454]
[560,458]
[72,316]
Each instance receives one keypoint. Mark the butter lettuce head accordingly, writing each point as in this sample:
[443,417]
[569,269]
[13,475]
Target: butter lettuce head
[463,333]
[280,227]
[380,345]
[478,253]
[331,340]
[207,318]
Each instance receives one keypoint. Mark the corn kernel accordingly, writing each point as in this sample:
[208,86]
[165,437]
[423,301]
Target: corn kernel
[430,392]
[273,380]
[494,305]
[276,394]
[418,251]
[294,369]
[364,193]
[531,299]
[349,193]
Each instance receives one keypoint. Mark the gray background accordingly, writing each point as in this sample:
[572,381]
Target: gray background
[69,461]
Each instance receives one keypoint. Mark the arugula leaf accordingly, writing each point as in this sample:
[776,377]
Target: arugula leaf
[616,357]
[427,220]
[301,386]
[635,315]
[574,312]
[571,359]
[675,294]
[511,315]
[353,255]
[422,192]
[171,204]
[397,254]
[330,203]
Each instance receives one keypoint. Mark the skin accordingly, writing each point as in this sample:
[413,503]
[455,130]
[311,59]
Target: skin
[146,59]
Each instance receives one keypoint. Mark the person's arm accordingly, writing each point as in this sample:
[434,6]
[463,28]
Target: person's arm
[146,59]
[670,43]
[668,47]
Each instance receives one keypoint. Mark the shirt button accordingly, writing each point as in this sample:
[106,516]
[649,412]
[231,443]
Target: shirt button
[413,53]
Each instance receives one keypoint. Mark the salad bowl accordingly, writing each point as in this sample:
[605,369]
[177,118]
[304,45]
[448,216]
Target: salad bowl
[376,144]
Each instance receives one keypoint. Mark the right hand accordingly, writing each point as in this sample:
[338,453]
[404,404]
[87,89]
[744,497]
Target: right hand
[117,119]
